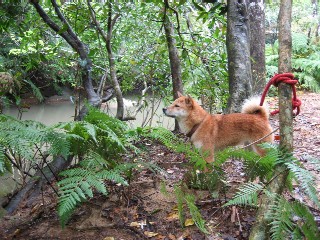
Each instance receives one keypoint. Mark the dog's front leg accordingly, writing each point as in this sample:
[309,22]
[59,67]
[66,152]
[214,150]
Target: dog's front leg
[207,153]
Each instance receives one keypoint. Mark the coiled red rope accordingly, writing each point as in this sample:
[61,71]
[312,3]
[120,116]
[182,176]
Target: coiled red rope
[286,78]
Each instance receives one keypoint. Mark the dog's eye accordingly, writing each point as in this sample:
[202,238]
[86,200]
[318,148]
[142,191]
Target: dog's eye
[176,105]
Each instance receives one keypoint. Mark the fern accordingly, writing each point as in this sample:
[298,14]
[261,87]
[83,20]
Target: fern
[164,136]
[5,165]
[25,138]
[282,211]
[189,200]
[99,141]
[180,200]
[172,142]
[291,219]
[98,131]
[306,180]
[247,195]
[306,223]
[315,163]
[195,213]
[307,80]
[280,218]
[305,62]
[299,43]
[78,183]
[254,165]
[36,91]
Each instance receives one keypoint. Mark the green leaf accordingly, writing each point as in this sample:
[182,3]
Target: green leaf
[200,8]
[246,195]
[63,29]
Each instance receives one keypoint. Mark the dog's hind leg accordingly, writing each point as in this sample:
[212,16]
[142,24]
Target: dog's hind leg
[258,150]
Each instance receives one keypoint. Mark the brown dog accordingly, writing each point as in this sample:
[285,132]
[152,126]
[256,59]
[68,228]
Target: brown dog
[215,132]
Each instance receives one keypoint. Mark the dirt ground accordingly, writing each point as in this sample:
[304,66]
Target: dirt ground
[144,211]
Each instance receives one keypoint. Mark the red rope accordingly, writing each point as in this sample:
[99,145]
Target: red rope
[286,78]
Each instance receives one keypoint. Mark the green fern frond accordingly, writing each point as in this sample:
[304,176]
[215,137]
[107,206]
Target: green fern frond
[112,176]
[246,195]
[163,189]
[23,138]
[195,213]
[291,220]
[2,159]
[280,218]
[84,135]
[85,186]
[167,138]
[112,137]
[74,172]
[306,181]
[296,234]
[305,222]
[308,80]
[180,200]
[299,42]
[97,183]
[262,167]
[90,130]
[36,91]
[93,160]
[78,183]
[59,142]
[164,136]
[315,163]
[254,165]
[75,188]
[5,165]
[102,120]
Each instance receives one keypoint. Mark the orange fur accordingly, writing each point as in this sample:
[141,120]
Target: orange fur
[218,131]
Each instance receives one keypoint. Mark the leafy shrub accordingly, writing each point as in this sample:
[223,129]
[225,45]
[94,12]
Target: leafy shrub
[283,213]
[23,144]
[305,61]
[99,142]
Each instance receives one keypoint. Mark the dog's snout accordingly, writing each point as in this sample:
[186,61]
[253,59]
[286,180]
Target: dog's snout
[164,110]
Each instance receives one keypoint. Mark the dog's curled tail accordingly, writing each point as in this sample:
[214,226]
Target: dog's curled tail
[252,106]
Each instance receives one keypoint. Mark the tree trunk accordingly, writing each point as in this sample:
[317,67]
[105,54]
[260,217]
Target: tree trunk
[112,64]
[47,174]
[315,16]
[77,45]
[238,48]
[261,230]
[34,186]
[175,64]
[257,45]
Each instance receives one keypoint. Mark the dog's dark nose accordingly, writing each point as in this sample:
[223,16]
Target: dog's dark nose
[164,110]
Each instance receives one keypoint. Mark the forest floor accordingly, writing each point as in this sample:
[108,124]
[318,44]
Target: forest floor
[143,211]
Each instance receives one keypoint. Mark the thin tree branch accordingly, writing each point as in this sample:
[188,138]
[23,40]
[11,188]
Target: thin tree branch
[63,19]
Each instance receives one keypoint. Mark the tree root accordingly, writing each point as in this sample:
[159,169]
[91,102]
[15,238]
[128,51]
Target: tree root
[33,188]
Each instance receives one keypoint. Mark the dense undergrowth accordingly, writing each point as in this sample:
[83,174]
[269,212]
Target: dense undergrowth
[99,142]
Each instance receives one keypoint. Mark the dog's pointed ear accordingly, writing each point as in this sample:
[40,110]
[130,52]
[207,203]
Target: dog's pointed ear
[179,94]
[189,101]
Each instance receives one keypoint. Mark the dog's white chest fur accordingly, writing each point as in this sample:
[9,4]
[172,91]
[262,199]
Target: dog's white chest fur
[183,127]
